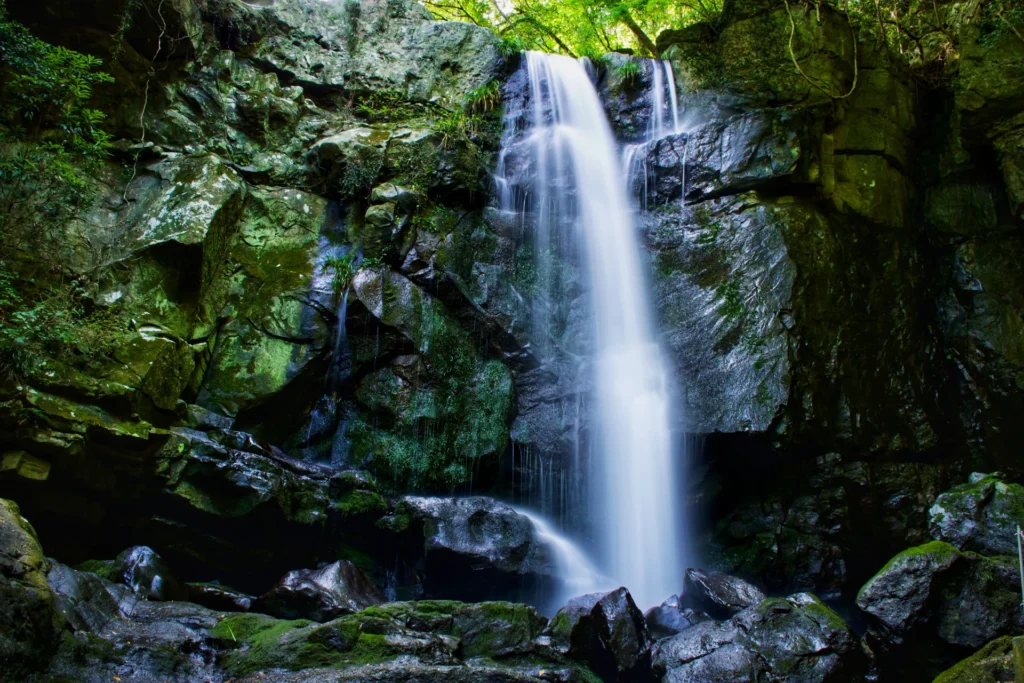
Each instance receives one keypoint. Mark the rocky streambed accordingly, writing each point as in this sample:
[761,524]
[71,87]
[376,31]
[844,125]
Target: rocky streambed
[134,618]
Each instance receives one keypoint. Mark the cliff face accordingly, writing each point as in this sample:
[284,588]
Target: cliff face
[835,257]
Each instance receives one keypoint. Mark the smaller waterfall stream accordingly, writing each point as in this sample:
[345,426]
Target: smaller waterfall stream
[664,121]
[578,574]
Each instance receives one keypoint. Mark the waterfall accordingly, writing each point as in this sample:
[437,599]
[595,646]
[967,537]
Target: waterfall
[577,573]
[664,121]
[578,192]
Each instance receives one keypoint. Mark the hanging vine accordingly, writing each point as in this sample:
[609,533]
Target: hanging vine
[796,63]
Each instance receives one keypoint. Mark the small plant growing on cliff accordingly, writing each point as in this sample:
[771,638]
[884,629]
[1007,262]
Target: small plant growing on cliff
[386,105]
[511,46]
[628,72]
[343,269]
[456,125]
[484,99]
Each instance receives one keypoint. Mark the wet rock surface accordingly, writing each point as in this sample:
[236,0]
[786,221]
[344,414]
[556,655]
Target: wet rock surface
[607,631]
[717,594]
[795,639]
[839,287]
[669,618]
[28,618]
[472,540]
[320,595]
[981,515]
[962,599]
[148,575]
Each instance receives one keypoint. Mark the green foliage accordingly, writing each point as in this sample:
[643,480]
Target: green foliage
[576,27]
[50,141]
[511,45]
[387,105]
[53,320]
[925,34]
[456,126]
[342,269]
[628,72]
[360,176]
[484,99]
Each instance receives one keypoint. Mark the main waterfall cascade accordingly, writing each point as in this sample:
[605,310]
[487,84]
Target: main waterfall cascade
[576,194]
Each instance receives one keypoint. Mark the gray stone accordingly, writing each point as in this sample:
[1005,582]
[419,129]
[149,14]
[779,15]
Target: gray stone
[720,595]
[792,639]
[148,575]
[981,515]
[322,594]
[605,630]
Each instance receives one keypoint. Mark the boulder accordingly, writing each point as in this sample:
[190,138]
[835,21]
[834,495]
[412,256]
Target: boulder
[720,595]
[607,631]
[934,590]
[218,597]
[469,542]
[792,639]
[87,601]
[320,594]
[428,633]
[148,575]
[28,618]
[148,642]
[740,153]
[991,664]
[669,618]
[981,515]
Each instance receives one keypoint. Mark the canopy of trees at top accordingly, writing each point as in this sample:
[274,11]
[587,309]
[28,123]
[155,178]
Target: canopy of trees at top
[578,27]
[923,33]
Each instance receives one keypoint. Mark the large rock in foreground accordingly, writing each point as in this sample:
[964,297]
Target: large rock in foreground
[991,664]
[792,639]
[607,631]
[28,620]
[935,590]
[419,634]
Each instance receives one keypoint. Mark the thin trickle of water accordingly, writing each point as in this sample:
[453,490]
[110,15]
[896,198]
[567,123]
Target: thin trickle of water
[579,192]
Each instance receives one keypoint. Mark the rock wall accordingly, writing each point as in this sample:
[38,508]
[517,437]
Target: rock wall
[829,281]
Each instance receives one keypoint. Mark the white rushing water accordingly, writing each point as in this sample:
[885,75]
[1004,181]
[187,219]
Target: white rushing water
[577,572]
[580,186]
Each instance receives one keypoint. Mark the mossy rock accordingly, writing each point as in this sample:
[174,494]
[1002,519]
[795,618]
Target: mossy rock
[991,664]
[440,632]
[29,621]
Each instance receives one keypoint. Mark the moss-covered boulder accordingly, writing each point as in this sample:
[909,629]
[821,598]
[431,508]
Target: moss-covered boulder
[430,633]
[934,590]
[991,664]
[981,515]
[231,482]
[449,384]
[29,621]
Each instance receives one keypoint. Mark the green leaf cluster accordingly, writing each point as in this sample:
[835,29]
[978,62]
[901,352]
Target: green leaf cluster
[51,141]
[581,28]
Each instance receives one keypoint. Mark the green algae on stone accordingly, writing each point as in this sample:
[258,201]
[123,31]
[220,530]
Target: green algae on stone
[29,620]
[991,664]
